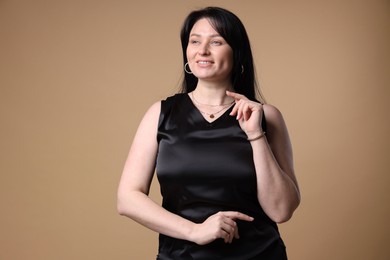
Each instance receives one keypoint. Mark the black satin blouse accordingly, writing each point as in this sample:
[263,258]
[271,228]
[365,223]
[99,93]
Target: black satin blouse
[204,168]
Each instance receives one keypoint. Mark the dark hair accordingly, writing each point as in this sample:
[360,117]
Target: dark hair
[229,26]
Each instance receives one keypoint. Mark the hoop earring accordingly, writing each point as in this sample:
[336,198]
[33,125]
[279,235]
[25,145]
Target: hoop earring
[185,68]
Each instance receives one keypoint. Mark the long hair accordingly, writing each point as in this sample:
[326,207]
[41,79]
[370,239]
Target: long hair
[229,26]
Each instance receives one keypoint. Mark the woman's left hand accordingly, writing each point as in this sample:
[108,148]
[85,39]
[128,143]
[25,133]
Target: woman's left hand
[248,113]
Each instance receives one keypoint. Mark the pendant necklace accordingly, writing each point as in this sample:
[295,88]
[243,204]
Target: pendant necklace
[211,115]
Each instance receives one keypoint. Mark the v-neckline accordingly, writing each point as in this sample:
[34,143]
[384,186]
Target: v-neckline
[217,118]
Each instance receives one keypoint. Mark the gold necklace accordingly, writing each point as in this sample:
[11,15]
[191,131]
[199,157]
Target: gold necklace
[211,115]
[224,105]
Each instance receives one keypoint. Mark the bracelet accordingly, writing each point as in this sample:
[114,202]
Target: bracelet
[257,137]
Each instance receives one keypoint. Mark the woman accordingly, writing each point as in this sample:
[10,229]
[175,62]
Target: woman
[223,160]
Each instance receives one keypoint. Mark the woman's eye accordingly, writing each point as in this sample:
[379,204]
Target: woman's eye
[216,43]
[194,42]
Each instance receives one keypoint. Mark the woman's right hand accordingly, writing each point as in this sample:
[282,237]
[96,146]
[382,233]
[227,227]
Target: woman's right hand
[220,225]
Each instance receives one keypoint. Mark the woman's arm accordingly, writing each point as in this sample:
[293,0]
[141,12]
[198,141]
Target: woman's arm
[133,200]
[277,187]
[133,190]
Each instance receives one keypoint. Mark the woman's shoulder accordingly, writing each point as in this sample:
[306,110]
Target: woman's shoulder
[161,108]
[275,122]
[153,113]
[173,101]
[174,98]
[156,107]
[272,113]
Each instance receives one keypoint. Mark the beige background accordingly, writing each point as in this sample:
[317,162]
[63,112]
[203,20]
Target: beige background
[77,76]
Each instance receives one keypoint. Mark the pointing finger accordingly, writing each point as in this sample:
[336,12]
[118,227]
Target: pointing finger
[237,215]
[234,95]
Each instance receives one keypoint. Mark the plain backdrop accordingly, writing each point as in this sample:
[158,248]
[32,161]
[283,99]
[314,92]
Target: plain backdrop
[76,78]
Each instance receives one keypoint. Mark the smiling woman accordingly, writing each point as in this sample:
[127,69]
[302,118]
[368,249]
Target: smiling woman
[225,183]
[75,76]
[209,56]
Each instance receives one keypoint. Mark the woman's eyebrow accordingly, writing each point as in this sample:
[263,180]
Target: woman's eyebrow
[211,36]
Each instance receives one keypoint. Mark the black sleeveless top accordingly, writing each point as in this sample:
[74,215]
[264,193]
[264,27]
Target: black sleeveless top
[204,168]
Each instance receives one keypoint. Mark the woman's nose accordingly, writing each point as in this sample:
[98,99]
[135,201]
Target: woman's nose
[204,49]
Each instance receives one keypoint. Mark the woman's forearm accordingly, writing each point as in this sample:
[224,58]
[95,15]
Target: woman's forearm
[277,192]
[142,209]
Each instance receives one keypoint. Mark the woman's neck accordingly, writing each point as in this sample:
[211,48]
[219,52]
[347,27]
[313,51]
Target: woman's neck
[212,94]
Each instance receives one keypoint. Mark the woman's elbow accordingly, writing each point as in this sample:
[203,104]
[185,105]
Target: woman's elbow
[282,218]
[127,202]
[121,206]
[283,214]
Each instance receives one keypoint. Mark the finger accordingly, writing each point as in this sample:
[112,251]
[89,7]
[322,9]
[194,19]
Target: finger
[228,225]
[225,234]
[228,228]
[237,215]
[234,232]
[234,95]
[228,233]
[239,110]
[246,111]
[234,110]
[249,109]
[231,236]
[236,235]
[231,229]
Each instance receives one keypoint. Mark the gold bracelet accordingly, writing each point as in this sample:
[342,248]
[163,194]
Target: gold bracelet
[257,137]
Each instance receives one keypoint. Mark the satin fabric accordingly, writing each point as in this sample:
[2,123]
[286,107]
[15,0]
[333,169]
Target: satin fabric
[204,168]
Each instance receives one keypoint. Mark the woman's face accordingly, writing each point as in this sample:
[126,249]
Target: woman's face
[209,56]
